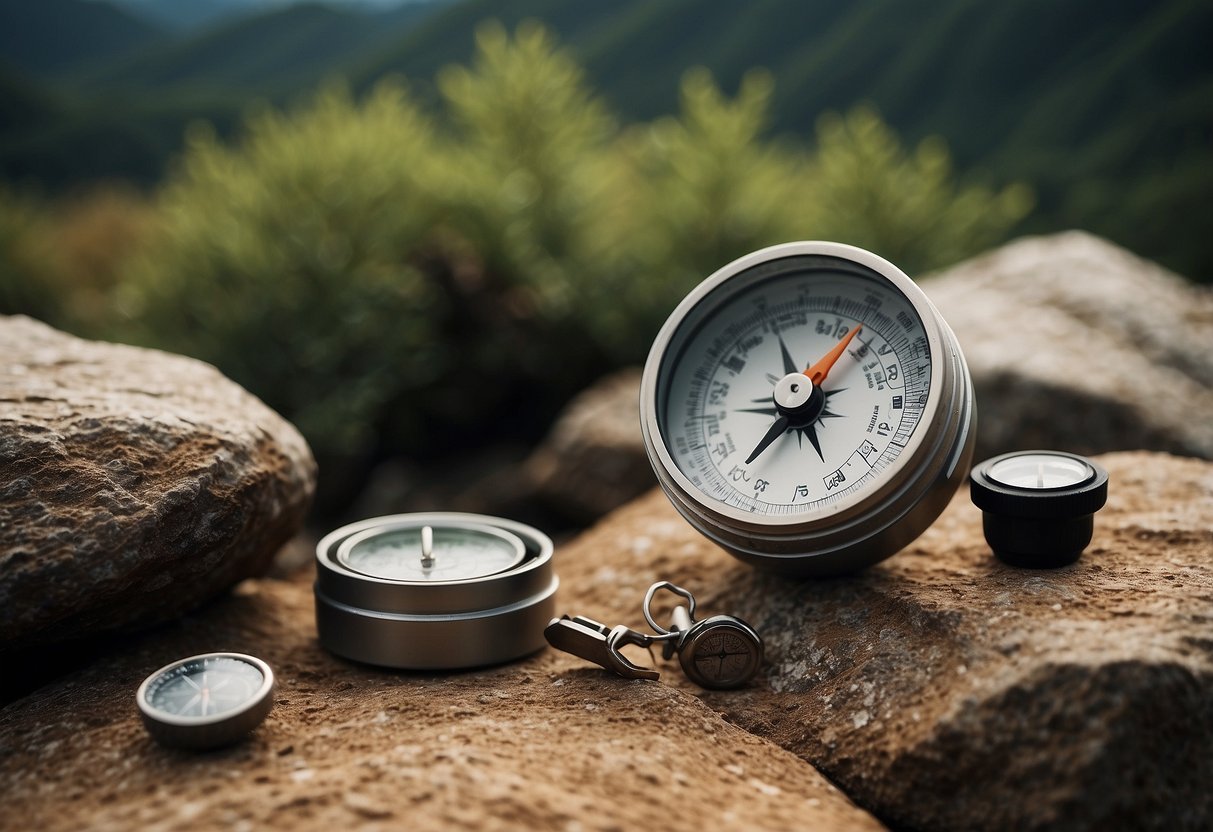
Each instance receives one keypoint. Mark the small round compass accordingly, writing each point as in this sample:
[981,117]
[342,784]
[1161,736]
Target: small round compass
[724,652]
[206,701]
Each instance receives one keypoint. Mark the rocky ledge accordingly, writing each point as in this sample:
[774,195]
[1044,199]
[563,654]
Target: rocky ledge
[939,690]
[134,485]
[1072,324]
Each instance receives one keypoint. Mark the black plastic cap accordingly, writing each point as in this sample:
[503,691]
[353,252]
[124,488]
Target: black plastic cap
[1038,527]
[1044,503]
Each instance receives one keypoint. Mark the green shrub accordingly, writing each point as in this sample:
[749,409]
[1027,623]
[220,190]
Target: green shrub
[690,193]
[290,262]
[907,207]
[529,176]
[30,265]
[413,283]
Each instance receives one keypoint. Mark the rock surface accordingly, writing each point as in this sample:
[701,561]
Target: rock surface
[134,485]
[1078,345]
[940,690]
[943,690]
[542,744]
[593,459]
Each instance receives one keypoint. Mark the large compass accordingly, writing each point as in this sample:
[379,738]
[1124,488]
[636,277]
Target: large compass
[807,408]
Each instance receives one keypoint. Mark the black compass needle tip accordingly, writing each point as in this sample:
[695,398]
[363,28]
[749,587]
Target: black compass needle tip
[776,430]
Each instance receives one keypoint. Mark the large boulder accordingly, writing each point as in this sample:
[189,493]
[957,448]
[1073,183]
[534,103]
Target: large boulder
[593,458]
[944,690]
[134,485]
[1076,344]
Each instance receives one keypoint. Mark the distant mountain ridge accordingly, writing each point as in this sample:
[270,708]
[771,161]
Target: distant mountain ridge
[1102,105]
[196,15]
[274,53]
[176,16]
[47,37]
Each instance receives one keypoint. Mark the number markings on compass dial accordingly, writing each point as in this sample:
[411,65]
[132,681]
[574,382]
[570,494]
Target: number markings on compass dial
[719,403]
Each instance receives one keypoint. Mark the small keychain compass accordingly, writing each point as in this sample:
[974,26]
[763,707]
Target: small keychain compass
[434,591]
[206,701]
[717,653]
[808,409]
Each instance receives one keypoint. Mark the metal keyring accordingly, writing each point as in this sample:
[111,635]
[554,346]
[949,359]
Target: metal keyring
[664,634]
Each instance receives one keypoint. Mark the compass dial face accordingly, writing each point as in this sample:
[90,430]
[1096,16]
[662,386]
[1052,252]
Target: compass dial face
[722,656]
[455,553]
[205,687]
[720,397]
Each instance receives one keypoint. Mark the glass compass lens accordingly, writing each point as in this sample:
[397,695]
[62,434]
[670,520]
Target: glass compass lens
[206,701]
[1040,471]
[807,408]
[205,688]
[723,656]
[447,552]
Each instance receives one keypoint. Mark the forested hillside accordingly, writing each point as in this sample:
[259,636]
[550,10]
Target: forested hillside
[274,54]
[1104,107]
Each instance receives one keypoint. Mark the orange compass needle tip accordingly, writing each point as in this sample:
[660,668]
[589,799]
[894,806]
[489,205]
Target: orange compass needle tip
[818,372]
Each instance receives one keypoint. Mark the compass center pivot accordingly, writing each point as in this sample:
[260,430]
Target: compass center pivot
[799,399]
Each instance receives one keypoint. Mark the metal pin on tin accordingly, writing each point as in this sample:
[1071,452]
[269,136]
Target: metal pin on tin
[718,652]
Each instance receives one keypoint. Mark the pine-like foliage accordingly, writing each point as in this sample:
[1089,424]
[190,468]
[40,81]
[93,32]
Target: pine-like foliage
[397,278]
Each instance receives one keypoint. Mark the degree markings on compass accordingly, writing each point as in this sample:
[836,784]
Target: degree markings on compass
[732,345]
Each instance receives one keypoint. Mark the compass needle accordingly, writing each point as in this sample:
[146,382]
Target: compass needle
[763,411]
[789,366]
[811,432]
[776,430]
[818,372]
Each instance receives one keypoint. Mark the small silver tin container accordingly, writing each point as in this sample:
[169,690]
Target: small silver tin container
[435,625]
